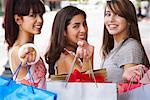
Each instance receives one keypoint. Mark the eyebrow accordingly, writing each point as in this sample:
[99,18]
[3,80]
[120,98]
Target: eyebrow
[76,23]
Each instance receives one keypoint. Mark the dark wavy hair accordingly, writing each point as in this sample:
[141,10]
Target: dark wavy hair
[58,41]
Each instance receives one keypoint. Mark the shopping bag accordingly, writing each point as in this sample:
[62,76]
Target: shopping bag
[10,90]
[125,87]
[140,93]
[16,91]
[130,85]
[76,76]
[83,90]
[81,87]
[90,75]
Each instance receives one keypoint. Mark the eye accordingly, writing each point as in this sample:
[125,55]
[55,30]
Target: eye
[32,15]
[107,14]
[76,26]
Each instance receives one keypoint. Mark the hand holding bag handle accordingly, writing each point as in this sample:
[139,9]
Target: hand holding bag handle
[29,45]
[125,87]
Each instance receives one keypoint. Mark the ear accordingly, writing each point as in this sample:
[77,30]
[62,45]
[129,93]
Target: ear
[65,33]
[18,19]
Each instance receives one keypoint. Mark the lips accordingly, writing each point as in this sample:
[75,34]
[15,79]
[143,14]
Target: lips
[112,26]
[82,37]
[38,26]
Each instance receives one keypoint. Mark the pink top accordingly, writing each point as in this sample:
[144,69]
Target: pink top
[38,72]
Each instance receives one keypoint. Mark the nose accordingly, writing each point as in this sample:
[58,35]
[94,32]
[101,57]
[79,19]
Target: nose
[112,18]
[83,29]
[39,18]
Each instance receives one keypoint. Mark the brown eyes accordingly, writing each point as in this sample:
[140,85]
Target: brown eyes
[108,14]
[35,15]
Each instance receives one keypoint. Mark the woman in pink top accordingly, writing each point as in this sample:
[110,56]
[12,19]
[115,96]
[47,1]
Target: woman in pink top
[23,20]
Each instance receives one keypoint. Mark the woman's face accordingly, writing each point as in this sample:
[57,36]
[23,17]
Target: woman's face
[115,24]
[77,29]
[32,23]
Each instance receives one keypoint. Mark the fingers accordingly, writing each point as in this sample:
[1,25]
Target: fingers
[142,67]
[28,55]
[84,50]
[135,73]
[79,52]
[81,43]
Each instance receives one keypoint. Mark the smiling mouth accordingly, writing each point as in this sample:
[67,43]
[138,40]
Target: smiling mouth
[111,27]
[82,37]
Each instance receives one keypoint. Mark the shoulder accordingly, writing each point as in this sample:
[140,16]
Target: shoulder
[64,58]
[132,44]
[131,48]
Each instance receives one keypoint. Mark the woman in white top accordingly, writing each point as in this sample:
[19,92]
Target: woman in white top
[23,20]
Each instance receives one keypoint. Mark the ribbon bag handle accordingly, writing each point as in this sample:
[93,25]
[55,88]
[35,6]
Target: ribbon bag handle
[71,70]
[134,76]
[16,73]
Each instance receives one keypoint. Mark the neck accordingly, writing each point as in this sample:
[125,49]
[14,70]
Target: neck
[118,40]
[25,38]
[71,47]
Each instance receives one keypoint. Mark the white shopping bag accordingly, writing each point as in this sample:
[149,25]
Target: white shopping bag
[83,91]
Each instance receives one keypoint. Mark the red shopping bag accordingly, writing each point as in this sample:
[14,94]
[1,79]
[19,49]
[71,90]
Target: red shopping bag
[125,87]
[130,85]
[77,76]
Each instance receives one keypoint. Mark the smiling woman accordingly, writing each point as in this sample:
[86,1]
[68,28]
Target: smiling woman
[24,19]
[69,40]
[122,47]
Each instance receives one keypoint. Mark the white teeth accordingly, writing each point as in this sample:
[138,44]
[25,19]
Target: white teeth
[112,26]
[38,26]
[81,37]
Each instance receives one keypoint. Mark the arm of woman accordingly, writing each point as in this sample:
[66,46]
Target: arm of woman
[132,58]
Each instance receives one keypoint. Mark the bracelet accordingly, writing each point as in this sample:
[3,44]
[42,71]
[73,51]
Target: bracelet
[34,47]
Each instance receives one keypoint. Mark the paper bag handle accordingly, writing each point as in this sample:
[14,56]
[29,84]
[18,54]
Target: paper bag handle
[133,77]
[71,70]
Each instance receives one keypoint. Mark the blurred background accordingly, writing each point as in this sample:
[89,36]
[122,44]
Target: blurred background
[94,10]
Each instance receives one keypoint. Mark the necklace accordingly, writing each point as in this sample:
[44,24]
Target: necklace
[73,54]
